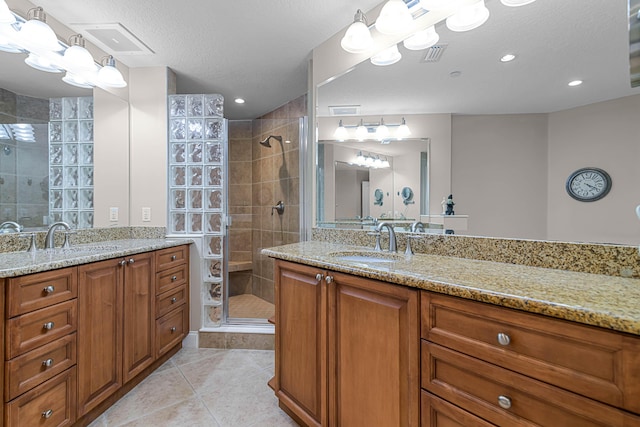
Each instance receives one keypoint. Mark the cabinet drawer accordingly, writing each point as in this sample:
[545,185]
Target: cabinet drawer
[171,329]
[505,398]
[168,301]
[50,404]
[436,412]
[34,291]
[40,327]
[170,279]
[591,361]
[171,257]
[35,367]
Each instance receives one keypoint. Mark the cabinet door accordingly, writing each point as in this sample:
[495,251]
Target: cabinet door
[300,342]
[374,347]
[99,332]
[139,314]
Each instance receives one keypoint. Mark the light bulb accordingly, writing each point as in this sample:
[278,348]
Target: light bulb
[394,18]
[357,38]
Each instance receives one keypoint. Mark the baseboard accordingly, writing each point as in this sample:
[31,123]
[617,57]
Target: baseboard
[191,340]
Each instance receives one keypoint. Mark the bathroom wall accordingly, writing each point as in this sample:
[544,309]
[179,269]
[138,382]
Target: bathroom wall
[275,177]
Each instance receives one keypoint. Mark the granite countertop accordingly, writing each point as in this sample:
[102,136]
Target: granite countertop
[19,263]
[593,299]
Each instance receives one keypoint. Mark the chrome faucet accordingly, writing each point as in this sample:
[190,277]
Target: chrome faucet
[393,247]
[10,224]
[417,227]
[49,239]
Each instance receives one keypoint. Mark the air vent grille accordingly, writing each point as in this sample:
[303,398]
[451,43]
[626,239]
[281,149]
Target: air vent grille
[434,53]
[344,110]
[113,38]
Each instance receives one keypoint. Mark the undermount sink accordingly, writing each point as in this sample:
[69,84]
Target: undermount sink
[367,257]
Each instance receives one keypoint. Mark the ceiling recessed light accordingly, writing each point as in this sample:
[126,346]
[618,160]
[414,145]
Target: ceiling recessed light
[239,101]
[508,57]
[575,83]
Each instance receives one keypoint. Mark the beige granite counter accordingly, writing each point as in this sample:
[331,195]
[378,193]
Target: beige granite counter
[19,263]
[593,299]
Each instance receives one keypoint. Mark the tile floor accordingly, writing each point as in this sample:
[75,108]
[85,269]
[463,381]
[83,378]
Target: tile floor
[203,387]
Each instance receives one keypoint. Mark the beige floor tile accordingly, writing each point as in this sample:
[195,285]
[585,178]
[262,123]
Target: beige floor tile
[190,413]
[265,359]
[191,355]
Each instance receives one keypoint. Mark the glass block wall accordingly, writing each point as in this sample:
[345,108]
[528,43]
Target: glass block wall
[197,187]
[71,161]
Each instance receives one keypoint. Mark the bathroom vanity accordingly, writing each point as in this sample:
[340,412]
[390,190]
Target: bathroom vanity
[427,340]
[84,325]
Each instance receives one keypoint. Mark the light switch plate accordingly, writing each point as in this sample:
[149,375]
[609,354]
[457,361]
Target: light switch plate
[113,214]
[146,214]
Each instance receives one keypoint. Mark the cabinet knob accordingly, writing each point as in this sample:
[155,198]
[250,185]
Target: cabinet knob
[47,363]
[131,260]
[504,402]
[173,300]
[329,280]
[173,257]
[174,278]
[319,277]
[173,329]
[49,289]
[122,263]
[47,413]
[503,339]
[48,326]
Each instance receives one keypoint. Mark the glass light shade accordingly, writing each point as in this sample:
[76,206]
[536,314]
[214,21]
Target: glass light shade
[77,80]
[341,133]
[394,18]
[439,4]
[77,58]
[385,163]
[36,35]
[377,163]
[516,3]
[362,132]
[357,39]
[382,131]
[360,160]
[468,18]
[388,56]
[422,39]
[368,161]
[111,77]
[7,35]
[6,17]
[403,130]
[40,63]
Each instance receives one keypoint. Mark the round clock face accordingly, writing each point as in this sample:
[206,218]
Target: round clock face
[588,184]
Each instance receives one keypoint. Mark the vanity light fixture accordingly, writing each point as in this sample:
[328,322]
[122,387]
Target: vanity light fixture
[361,131]
[439,4]
[394,18]
[6,17]
[382,131]
[41,63]
[379,131]
[109,75]
[469,17]
[371,161]
[403,130]
[36,35]
[575,83]
[76,58]
[508,57]
[341,133]
[357,38]
[516,3]
[422,39]
[389,56]
[77,80]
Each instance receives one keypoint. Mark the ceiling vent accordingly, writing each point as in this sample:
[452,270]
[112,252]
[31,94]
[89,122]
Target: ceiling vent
[434,53]
[344,110]
[113,38]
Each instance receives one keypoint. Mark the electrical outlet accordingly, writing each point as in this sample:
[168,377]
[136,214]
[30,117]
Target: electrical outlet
[113,214]
[146,214]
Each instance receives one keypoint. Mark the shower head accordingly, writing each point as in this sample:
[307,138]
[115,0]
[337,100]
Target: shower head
[265,141]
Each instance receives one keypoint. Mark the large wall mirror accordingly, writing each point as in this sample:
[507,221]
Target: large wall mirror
[508,135]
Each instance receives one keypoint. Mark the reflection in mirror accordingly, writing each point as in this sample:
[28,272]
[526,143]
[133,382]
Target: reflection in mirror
[516,131]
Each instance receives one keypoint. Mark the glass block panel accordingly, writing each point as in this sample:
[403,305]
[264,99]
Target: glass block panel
[195,199]
[86,176]
[213,129]
[55,217]
[56,177]
[212,246]
[214,152]
[178,222]
[212,270]
[195,129]
[85,108]
[86,130]
[69,108]
[71,154]
[213,105]
[177,130]
[213,223]
[70,131]
[71,199]
[70,176]
[177,106]
[195,152]
[55,199]
[178,199]
[55,132]
[55,109]
[195,175]
[213,315]
[195,222]
[86,154]
[194,105]
[213,199]
[178,150]
[85,199]
[213,176]
[71,218]
[212,293]
[55,154]
[85,220]
[178,176]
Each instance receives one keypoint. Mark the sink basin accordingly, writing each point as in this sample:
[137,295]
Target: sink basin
[367,257]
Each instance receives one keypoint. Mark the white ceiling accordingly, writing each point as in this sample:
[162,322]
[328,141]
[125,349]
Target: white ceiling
[258,50]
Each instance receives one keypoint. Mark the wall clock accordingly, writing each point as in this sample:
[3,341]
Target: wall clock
[588,184]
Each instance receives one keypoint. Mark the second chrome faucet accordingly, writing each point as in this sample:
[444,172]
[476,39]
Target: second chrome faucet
[393,246]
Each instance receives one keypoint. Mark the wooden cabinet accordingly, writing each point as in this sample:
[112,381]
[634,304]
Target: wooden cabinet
[346,349]
[520,369]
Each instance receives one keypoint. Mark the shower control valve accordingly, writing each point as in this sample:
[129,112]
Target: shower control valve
[279,207]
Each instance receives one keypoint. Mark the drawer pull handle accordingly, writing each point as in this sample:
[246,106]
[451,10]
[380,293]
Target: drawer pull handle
[48,326]
[173,258]
[503,339]
[49,289]
[173,329]
[173,300]
[329,280]
[47,413]
[319,277]
[47,363]
[122,263]
[504,402]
